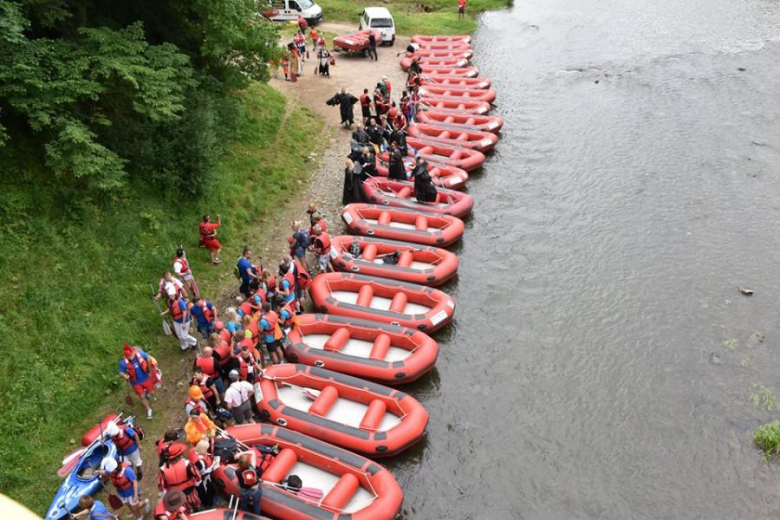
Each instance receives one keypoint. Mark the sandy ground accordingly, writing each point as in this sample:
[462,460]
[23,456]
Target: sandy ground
[352,71]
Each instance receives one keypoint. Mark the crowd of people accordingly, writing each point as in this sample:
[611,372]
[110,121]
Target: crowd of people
[296,53]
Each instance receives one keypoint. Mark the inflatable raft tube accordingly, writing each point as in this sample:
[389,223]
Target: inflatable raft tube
[443,54]
[423,265]
[353,487]
[404,225]
[458,46]
[441,63]
[355,42]
[464,106]
[386,354]
[444,80]
[456,118]
[353,413]
[386,301]
[474,139]
[443,176]
[487,95]
[464,72]
[451,154]
[400,194]
[461,38]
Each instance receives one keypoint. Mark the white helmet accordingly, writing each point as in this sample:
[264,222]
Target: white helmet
[108,464]
[111,429]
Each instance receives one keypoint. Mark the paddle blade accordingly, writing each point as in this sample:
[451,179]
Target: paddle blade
[67,467]
[311,493]
[129,400]
[166,328]
[115,502]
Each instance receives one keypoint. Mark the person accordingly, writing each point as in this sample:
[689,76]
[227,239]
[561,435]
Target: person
[424,189]
[367,162]
[299,241]
[353,181]
[360,137]
[365,107]
[386,88]
[126,483]
[344,100]
[163,444]
[238,399]
[199,426]
[295,62]
[287,283]
[321,246]
[302,24]
[205,316]
[249,278]
[374,133]
[372,46]
[323,58]
[207,365]
[461,9]
[181,267]
[300,43]
[286,319]
[315,37]
[179,309]
[396,168]
[380,103]
[249,483]
[399,138]
[397,120]
[248,367]
[178,474]
[93,509]
[233,322]
[269,280]
[205,464]
[414,67]
[128,445]
[271,333]
[136,367]
[173,506]
[168,284]
[286,65]
[196,401]
[208,237]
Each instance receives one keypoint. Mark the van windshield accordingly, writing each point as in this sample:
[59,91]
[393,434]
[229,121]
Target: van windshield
[305,4]
[382,22]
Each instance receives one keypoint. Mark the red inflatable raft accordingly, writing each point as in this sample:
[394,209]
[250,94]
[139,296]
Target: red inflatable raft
[459,46]
[421,39]
[444,80]
[402,224]
[357,41]
[465,72]
[443,176]
[400,194]
[478,122]
[414,263]
[474,139]
[354,413]
[387,354]
[452,154]
[487,95]
[352,486]
[467,106]
[446,54]
[387,301]
[440,63]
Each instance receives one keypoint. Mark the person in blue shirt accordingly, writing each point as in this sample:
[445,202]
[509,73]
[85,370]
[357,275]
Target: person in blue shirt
[247,272]
[126,483]
[136,368]
[93,509]
[206,316]
[268,330]
[180,310]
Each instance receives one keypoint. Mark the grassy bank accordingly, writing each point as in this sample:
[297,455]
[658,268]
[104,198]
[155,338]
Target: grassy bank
[74,286]
[414,16]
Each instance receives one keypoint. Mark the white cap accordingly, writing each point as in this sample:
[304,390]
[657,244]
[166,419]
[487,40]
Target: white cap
[111,429]
[384,77]
[108,464]
[170,289]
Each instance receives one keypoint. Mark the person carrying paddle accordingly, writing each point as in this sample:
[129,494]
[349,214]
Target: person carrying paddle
[181,268]
[93,509]
[128,445]
[179,309]
[136,367]
[249,483]
[126,483]
[208,237]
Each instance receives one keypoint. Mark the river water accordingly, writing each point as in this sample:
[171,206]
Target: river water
[602,361]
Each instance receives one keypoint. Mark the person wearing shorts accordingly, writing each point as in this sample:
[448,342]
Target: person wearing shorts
[136,368]
[127,443]
[126,483]
[238,399]
[461,9]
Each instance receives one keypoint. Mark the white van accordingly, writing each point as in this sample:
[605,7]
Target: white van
[379,18]
[289,10]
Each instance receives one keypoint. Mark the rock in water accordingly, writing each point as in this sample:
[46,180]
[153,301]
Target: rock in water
[745,291]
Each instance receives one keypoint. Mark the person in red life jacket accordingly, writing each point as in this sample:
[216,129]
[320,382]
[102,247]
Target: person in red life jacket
[163,444]
[181,268]
[208,364]
[173,506]
[223,352]
[386,88]
[179,309]
[461,9]
[302,24]
[271,334]
[178,474]
[269,280]
[201,457]
[249,483]
[365,105]
[397,119]
[287,283]
[136,368]
[321,246]
[248,367]
[315,37]
[126,483]
[196,402]
[127,443]
[238,399]
[208,237]
[206,316]
[379,102]
[169,284]
[286,319]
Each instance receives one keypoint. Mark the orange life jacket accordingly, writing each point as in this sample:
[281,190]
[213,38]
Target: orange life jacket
[243,366]
[304,278]
[118,478]
[223,352]
[365,100]
[208,365]
[196,404]
[289,321]
[179,475]
[273,320]
[324,239]
[176,312]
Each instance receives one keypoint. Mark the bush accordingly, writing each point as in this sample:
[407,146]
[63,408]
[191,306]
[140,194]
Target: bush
[767,437]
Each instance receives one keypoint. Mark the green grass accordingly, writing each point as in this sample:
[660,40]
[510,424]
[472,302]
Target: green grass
[415,16]
[74,291]
[767,437]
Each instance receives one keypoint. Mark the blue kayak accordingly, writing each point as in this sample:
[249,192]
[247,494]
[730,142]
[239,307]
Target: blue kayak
[80,481]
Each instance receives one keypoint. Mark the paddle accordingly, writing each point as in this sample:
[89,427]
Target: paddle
[115,502]
[69,462]
[166,326]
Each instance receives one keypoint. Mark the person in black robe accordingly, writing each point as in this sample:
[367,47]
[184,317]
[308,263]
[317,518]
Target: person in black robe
[374,132]
[353,179]
[399,138]
[345,101]
[396,167]
[424,189]
[367,163]
[360,136]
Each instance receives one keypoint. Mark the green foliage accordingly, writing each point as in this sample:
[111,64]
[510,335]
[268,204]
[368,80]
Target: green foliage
[763,397]
[767,437]
[74,290]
